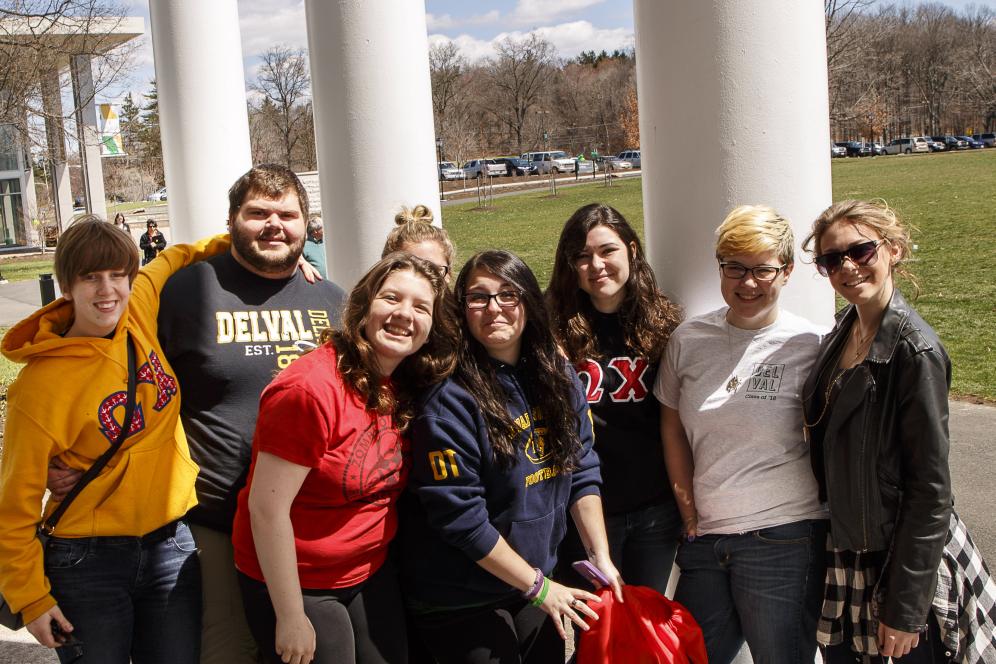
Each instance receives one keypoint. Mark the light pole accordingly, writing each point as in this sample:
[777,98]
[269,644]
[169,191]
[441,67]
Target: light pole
[439,159]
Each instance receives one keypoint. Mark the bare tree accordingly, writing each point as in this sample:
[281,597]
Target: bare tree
[841,17]
[447,70]
[37,38]
[284,81]
[518,75]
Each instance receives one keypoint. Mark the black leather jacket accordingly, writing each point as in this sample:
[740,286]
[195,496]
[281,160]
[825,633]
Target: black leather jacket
[884,454]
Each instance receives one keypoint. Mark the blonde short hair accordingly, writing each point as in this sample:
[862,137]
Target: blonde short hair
[755,229]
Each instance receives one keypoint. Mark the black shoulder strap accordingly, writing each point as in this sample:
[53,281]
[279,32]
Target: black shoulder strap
[48,527]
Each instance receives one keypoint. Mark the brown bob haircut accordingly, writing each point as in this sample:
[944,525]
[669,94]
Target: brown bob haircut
[91,244]
[270,181]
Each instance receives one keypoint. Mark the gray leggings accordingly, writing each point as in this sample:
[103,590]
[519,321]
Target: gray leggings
[363,624]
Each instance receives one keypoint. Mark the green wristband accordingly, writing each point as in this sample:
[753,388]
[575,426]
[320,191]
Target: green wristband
[538,601]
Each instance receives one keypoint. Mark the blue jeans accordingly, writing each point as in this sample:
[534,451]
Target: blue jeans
[130,597]
[641,543]
[765,586]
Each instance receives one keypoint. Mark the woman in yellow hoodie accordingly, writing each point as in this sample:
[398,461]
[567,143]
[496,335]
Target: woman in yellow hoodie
[120,572]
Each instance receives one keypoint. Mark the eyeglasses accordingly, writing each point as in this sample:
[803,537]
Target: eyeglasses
[759,272]
[505,299]
[862,254]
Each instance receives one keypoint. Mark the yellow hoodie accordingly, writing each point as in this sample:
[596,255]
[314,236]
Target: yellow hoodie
[68,402]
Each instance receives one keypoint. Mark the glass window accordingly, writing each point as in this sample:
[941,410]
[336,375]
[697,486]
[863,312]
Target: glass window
[8,147]
[11,222]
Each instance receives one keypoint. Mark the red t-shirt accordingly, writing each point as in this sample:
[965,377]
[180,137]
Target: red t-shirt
[344,515]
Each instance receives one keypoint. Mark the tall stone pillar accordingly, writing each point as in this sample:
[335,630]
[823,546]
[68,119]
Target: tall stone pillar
[88,134]
[202,110]
[61,191]
[733,110]
[373,123]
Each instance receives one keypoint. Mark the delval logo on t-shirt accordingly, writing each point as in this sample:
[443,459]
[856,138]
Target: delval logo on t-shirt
[765,380]
[283,333]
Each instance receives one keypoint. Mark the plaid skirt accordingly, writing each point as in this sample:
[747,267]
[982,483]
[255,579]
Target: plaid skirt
[964,603]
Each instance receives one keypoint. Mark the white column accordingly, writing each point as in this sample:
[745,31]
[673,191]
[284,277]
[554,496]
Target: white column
[202,110]
[29,199]
[373,123]
[733,110]
[88,134]
[61,192]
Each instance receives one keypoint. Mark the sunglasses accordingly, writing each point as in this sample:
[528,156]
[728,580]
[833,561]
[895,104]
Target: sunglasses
[861,254]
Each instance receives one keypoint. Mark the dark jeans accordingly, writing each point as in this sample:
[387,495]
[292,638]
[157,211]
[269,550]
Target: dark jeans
[930,650]
[129,597]
[642,544]
[765,586]
[364,624]
[509,632]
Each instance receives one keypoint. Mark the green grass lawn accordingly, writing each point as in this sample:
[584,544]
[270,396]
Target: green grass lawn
[21,268]
[950,198]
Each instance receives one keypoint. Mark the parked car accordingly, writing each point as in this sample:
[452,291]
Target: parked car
[837,150]
[517,166]
[855,149]
[449,171]
[158,195]
[988,139]
[614,163]
[907,145]
[877,149]
[632,156]
[973,144]
[934,146]
[490,167]
[950,142]
[557,161]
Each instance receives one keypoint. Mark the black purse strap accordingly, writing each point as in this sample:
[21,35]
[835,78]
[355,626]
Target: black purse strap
[48,526]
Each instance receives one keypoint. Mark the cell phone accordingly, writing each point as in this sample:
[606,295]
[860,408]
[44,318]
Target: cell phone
[592,573]
[69,644]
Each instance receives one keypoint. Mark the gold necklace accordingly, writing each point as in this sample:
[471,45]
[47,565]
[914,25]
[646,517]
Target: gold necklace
[860,341]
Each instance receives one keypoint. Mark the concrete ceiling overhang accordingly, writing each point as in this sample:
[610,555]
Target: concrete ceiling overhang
[68,36]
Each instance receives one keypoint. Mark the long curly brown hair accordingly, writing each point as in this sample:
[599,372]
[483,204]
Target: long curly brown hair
[648,316]
[546,379]
[433,362]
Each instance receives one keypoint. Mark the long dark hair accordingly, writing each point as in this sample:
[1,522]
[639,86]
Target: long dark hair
[433,362]
[647,314]
[548,385]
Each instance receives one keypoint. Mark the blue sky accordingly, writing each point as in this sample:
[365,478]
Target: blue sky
[571,25]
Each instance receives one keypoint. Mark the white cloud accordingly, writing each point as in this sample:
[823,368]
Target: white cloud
[266,23]
[568,38]
[447,22]
[537,12]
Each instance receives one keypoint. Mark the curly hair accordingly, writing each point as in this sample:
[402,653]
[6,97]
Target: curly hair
[647,314]
[546,380]
[880,219]
[433,362]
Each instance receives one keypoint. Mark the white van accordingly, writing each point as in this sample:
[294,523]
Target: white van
[632,156]
[907,145]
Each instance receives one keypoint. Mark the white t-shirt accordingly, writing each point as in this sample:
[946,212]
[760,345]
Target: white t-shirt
[752,466]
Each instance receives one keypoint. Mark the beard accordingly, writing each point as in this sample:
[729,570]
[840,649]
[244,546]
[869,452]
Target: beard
[273,261]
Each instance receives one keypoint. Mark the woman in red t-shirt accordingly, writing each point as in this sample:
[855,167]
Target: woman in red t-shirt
[329,460]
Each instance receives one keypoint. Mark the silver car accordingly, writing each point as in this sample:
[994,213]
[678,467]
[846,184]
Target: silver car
[449,171]
[490,167]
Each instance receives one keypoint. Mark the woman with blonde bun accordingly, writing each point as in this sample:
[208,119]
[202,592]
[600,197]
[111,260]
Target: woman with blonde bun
[416,235]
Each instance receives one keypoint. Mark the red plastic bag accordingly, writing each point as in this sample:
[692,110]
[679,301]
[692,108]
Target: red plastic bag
[647,628]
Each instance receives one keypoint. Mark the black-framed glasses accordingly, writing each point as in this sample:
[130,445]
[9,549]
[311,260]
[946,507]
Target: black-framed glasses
[505,299]
[861,254]
[759,272]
